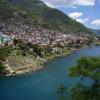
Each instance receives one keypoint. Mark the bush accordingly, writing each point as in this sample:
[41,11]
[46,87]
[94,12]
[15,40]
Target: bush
[1,67]
[4,52]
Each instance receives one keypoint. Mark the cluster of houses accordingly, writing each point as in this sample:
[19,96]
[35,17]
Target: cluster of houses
[37,35]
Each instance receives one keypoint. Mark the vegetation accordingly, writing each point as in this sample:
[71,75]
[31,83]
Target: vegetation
[4,52]
[1,67]
[37,13]
[27,56]
[39,50]
[86,67]
[18,61]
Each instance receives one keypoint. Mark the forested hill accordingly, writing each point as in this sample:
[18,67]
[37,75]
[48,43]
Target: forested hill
[36,12]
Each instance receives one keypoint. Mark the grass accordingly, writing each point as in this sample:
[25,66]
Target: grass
[17,61]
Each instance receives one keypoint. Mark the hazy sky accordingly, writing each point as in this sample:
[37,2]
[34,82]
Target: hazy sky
[83,11]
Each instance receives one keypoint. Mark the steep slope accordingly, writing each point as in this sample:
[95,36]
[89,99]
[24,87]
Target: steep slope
[35,11]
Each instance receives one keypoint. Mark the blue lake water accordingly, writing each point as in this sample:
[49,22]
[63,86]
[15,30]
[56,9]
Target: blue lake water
[43,85]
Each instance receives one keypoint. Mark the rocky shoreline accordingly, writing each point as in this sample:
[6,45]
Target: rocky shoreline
[11,72]
[23,70]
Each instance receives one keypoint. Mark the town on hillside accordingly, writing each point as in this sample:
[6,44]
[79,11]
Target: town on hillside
[40,36]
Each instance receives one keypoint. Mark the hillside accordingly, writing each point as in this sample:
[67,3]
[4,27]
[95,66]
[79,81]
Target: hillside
[97,32]
[36,12]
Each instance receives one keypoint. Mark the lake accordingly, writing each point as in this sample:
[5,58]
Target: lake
[43,85]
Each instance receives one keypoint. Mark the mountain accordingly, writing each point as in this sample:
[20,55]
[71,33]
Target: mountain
[36,12]
[97,32]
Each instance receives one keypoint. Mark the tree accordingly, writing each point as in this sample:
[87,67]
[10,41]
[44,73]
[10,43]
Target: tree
[1,67]
[86,67]
[5,51]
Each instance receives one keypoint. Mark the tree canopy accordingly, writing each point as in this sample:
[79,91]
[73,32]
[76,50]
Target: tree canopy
[86,67]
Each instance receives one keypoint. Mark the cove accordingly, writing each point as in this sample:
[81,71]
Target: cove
[43,85]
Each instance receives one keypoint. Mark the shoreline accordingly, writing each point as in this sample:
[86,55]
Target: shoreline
[24,70]
[21,71]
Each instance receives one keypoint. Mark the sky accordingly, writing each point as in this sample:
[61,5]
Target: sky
[86,12]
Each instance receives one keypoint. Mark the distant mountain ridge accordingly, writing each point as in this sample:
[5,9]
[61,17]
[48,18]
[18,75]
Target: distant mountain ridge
[36,12]
[97,31]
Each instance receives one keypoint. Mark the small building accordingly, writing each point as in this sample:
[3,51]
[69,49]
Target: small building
[5,39]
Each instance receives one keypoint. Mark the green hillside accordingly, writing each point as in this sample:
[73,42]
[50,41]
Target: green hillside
[36,12]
